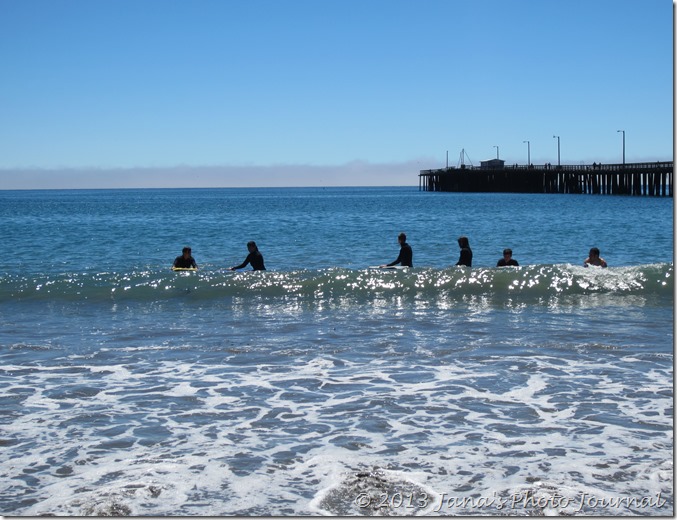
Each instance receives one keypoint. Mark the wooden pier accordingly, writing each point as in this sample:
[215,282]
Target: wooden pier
[642,179]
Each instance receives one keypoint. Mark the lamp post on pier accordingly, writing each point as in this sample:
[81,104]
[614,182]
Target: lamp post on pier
[558,161]
[528,153]
[623,145]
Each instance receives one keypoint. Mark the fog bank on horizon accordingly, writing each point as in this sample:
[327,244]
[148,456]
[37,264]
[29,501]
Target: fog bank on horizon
[356,173]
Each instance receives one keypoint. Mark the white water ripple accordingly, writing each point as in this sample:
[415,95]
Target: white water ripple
[188,438]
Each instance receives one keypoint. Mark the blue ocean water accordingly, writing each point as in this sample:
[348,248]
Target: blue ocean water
[322,386]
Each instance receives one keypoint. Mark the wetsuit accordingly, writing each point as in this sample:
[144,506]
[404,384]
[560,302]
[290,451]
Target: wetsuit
[185,263]
[255,259]
[466,257]
[503,263]
[405,258]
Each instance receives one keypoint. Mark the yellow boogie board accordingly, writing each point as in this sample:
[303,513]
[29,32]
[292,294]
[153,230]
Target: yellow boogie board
[184,268]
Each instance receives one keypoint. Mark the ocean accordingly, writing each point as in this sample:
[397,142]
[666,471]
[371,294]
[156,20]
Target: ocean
[323,386]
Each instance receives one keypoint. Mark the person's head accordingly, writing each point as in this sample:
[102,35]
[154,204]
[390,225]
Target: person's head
[463,241]
[251,246]
[507,253]
[186,252]
[594,252]
[401,238]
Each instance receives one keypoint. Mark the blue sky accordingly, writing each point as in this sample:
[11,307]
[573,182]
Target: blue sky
[242,91]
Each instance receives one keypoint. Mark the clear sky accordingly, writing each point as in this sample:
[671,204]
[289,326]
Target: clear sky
[320,92]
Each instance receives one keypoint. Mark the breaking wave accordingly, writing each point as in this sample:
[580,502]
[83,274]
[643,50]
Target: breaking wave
[538,282]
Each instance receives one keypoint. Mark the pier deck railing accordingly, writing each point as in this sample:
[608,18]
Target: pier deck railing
[641,179]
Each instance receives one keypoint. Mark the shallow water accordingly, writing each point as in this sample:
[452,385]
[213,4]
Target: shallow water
[322,386]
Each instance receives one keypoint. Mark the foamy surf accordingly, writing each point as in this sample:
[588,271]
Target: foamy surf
[338,438]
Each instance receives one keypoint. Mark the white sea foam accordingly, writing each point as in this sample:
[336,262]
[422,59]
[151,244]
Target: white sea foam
[188,438]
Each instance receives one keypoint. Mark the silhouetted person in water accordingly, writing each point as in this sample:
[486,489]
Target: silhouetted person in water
[466,252]
[186,260]
[406,256]
[507,259]
[255,258]
[594,258]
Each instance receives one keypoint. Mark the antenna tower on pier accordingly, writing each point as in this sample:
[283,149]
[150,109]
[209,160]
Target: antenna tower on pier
[461,160]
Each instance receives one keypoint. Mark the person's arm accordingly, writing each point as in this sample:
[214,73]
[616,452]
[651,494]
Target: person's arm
[243,264]
[397,261]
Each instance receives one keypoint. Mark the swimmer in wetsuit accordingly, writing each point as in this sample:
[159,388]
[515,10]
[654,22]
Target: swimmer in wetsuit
[255,258]
[406,256]
[507,259]
[466,252]
[185,261]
